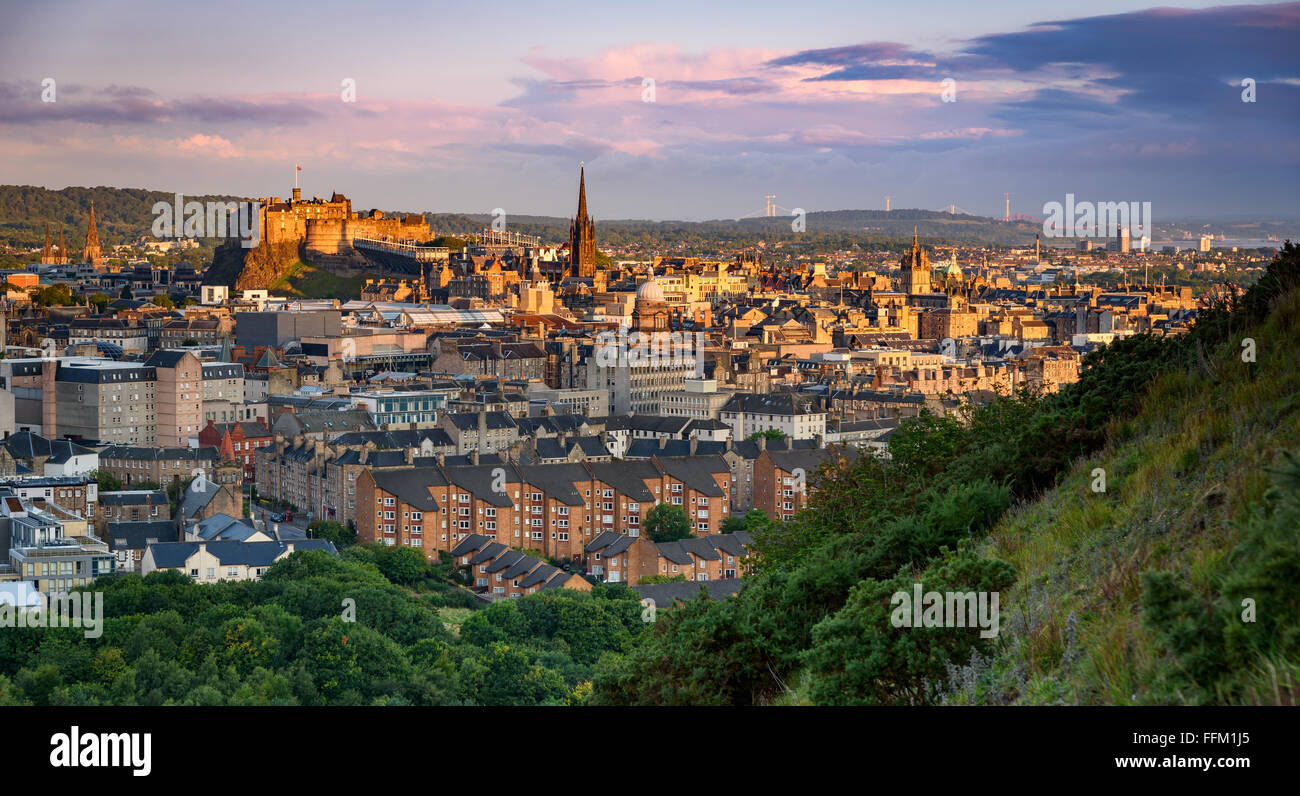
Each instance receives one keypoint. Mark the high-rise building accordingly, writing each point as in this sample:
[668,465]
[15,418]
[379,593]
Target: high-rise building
[582,235]
[1122,242]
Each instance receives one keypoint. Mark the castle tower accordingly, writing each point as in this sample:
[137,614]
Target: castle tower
[93,255]
[915,268]
[582,235]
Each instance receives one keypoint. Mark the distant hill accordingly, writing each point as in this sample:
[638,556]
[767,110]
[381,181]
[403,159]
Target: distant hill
[869,225]
[121,214]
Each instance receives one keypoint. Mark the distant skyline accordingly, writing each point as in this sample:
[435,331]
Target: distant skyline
[469,107]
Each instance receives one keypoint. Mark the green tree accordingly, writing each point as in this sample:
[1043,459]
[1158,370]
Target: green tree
[667,523]
[772,434]
[100,300]
[403,565]
[107,481]
[332,531]
[752,521]
[165,302]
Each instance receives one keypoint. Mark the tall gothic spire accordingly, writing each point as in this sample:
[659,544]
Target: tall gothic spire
[582,192]
[46,255]
[582,235]
[93,255]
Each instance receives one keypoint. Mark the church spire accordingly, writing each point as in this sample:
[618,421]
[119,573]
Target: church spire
[46,255]
[582,235]
[582,192]
[93,254]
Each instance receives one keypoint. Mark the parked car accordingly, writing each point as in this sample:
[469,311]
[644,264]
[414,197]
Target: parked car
[277,518]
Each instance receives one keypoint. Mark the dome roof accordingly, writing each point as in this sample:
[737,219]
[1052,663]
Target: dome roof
[650,290]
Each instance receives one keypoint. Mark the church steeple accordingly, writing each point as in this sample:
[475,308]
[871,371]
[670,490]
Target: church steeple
[582,235]
[93,254]
[582,192]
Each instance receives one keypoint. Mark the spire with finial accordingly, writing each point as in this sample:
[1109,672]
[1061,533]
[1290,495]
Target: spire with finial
[45,256]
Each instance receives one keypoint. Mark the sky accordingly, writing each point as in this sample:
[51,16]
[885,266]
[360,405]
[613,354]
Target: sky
[679,110]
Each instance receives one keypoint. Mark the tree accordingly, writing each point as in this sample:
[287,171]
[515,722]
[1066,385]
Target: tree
[332,531]
[107,481]
[52,296]
[100,300]
[667,523]
[752,521]
[772,434]
[403,565]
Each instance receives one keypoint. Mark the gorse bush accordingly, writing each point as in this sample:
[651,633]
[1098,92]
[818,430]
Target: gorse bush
[1212,639]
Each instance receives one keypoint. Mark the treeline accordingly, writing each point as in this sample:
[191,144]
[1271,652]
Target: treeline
[869,230]
[320,630]
[121,214]
[814,624]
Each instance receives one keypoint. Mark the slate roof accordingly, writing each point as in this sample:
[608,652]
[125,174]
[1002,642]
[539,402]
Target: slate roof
[667,593]
[412,485]
[610,543]
[198,495]
[134,497]
[770,404]
[158,454]
[557,480]
[475,541]
[138,535]
[27,445]
[697,472]
[488,553]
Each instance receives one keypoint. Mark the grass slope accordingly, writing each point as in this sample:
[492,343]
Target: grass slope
[1181,480]
[304,280]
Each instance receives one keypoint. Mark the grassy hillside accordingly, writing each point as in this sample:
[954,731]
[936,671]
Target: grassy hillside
[1183,480]
[304,280]
[1174,582]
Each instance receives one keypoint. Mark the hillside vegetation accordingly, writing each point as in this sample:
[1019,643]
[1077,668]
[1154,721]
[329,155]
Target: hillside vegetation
[1131,594]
